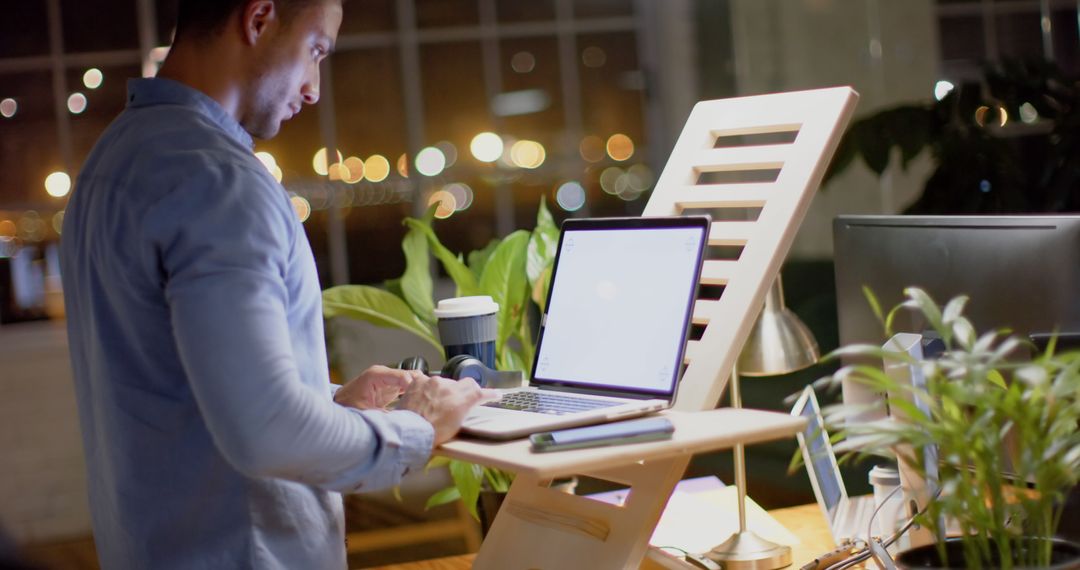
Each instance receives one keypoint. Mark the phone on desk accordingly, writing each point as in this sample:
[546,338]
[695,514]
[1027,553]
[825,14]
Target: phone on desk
[634,431]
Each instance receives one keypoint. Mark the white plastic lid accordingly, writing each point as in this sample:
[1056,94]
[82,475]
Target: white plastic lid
[887,476]
[466,307]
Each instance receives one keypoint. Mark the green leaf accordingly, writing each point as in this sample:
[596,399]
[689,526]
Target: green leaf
[455,268]
[393,286]
[996,378]
[542,244]
[375,306]
[478,259]
[416,286]
[467,478]
[504,279]
[442,497]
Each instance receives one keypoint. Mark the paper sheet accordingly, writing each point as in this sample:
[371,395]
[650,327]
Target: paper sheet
[696,522]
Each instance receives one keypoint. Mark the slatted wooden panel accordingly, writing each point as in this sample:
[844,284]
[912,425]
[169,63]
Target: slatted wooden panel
[726,149]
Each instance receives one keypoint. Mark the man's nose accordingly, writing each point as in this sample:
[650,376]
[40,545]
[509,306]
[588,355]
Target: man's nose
[309,91]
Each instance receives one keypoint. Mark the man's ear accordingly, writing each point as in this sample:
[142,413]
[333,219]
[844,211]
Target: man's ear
[256,17]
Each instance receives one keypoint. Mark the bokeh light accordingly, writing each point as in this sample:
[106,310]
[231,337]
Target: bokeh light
[609,177]
[92,78]
[376,168]
[319,162]
[486,147]
[8,108]
[592,148]
[430,161]
[302,207]
[593,56]
[527,154]
[449,151]
[338,171]
[1028,113]
[7,230]
[942,88]
[30,226]
[447,204]
[980,115]
[58,184]
[266,159]
[58,222]
[76,103]
[570,196]
[463,194]
[620,147]
[355,167]
[640,177]
[523,62]
[403,165]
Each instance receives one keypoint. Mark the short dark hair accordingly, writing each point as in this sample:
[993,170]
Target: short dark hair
[200,18]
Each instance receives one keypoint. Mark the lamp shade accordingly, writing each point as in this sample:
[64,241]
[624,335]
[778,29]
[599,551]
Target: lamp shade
[779,342]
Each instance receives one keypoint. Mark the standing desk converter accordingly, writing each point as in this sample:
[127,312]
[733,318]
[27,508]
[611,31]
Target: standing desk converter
[726,149]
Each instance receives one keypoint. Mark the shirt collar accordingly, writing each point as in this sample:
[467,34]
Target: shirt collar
[161,91]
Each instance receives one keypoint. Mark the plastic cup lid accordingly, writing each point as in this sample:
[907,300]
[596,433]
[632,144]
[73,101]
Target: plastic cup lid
[884,476]
[466,307]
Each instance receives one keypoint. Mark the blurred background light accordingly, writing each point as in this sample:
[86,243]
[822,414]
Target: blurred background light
[8,108]
[302,207]
[593,56]
[523,62]
[1028,114]
[609,177]
[403,165]
[463,194]
[570,196]
[486,147]
[449,152]
[92,78]
[447,204]
[58,222]
[592,148]
[58,184]
[430,161]
[355,169]
[527,154]
[620,147]
[76,103]
[522,102]
[319,162]
[942,88]
[376,168]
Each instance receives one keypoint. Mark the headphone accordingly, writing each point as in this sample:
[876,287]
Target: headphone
[466,366]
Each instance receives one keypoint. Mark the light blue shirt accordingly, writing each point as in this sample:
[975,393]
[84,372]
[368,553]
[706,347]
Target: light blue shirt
[195,324]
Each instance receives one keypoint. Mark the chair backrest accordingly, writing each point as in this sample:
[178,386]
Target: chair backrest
[753,163]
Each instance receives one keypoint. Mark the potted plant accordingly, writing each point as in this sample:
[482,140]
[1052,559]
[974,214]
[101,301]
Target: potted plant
[1006,431]
[515,271]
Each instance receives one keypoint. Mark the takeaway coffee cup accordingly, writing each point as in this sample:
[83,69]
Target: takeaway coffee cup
[468,325]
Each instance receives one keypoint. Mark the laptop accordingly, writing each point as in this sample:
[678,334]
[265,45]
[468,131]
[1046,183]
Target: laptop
[612,336]
[848,517]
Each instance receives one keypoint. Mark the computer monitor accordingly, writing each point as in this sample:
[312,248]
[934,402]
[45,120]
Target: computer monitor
[1020,272]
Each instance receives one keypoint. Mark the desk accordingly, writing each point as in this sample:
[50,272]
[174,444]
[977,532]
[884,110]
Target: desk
[804,521]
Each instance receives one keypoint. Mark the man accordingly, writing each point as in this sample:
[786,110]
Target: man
[195,324]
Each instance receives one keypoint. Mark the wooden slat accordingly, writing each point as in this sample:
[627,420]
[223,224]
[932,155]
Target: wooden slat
[731,233]
[723,196]
[717,272]
[704,311]
[693,351]
[404,535]
[742,158]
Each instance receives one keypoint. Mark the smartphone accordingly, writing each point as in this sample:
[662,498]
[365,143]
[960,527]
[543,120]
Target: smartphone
[648,429]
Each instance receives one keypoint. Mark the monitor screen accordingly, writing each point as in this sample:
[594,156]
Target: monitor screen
[818,455]
[619,308]
[1020,272]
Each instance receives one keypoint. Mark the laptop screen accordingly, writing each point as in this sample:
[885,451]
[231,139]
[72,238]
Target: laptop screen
[818,455]
[619,304]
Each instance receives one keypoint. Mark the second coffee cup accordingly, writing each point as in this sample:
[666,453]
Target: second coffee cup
[469,325]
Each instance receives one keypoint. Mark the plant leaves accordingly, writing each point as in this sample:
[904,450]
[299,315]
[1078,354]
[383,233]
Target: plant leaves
[504,279]
[542,244]
[416,285]
[375,306]
[467,478]
[442,497]
[478,258]
[455,268]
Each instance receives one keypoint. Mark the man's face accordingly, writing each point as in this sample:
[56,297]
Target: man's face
[286,72]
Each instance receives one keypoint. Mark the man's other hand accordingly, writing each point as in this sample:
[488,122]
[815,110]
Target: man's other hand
[444,402]
[376,388]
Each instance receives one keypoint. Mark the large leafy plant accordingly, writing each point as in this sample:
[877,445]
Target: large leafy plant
[515,271]
[1006,430]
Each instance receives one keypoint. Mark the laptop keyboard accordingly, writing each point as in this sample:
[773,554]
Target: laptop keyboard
[545,403]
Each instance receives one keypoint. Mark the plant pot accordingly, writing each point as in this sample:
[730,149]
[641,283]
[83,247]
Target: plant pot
[1065,555]
[490,501]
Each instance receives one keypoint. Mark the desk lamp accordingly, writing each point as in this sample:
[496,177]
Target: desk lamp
[778,344]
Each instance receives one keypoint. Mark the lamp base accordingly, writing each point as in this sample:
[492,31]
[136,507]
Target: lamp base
[748,551]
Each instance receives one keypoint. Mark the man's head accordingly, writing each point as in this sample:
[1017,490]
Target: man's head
[265,54]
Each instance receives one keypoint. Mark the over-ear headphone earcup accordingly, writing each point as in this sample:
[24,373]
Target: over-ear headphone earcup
[465,366]
[414,363]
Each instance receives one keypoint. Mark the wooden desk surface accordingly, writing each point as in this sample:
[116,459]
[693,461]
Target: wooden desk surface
[695,432]
[805,521]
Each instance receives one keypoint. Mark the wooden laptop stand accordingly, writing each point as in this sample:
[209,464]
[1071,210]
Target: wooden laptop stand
[540,528]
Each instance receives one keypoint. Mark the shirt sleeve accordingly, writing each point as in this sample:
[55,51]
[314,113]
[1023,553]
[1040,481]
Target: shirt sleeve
[223,242]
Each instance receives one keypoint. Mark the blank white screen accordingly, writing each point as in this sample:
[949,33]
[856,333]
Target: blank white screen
[617,312]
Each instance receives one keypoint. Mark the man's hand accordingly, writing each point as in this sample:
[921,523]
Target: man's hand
[444,402]
[376,387]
